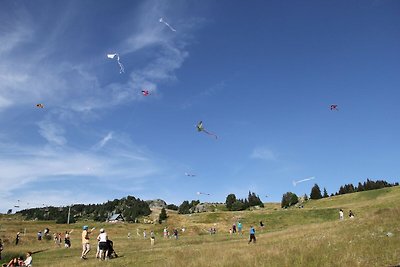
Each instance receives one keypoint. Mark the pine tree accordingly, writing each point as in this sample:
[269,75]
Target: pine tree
[230,199]
[315,192]
[325,193]
[184,208]
[163,215]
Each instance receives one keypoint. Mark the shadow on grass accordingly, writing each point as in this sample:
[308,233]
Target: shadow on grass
[39,251]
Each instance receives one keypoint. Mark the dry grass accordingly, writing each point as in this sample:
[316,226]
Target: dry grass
[299,237]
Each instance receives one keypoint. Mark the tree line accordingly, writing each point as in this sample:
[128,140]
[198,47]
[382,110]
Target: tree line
[130,208]
[290,198]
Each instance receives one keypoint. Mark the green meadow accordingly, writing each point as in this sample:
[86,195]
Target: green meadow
[311,236]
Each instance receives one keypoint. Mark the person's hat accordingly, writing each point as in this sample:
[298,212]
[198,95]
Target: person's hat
[101,230]
[85,227]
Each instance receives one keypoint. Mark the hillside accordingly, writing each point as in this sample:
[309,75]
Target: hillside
[312,236]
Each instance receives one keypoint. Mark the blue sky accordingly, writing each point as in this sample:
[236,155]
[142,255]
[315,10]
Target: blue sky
[260,74]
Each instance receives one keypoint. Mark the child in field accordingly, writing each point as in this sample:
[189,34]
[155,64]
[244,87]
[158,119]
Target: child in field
[67,239]
[152,238]
[165,232]
[351,214]
[176,234]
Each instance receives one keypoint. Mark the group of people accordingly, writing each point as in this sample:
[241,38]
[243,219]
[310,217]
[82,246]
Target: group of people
[105,247]
[175,232]
[341,214]
[239,228]
[20,262]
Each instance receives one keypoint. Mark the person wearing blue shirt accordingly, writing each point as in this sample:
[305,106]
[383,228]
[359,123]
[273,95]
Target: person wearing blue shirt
[252,235]
[239,226]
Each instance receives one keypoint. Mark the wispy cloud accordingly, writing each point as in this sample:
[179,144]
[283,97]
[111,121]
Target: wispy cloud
[208,92]
[42,168]
[263,154]
[53,133]
[103,141]
[38,66]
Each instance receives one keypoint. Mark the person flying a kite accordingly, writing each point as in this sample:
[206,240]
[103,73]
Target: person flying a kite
[200,128]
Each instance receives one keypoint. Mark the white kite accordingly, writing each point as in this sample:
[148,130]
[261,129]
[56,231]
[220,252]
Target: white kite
[163,21]
[303,180]
[121,67]
[190,174]
[200,193]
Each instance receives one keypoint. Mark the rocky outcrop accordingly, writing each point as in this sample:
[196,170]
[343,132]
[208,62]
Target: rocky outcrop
[156,203]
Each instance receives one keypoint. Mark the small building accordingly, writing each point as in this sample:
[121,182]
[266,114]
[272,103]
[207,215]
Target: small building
[116,218]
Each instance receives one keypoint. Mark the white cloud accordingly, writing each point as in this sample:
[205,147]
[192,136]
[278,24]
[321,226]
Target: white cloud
[263,154]
[12,35]
[43,168]
[104,141]
[53,133]
[36,68]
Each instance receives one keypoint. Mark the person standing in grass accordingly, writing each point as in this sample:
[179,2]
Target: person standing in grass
[176,233]
[103,248]
[1,247]
[152,238]
[252,235]
[85,241]
[240,228]
[67,239]
[341,214]
[351,214]
[17,239]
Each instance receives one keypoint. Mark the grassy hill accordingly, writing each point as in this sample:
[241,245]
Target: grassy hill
[312,236]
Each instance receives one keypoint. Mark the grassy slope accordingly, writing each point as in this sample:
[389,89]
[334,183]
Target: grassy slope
[312,236]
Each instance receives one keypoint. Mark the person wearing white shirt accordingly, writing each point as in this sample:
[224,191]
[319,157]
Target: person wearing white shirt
[103,248]
[28,261]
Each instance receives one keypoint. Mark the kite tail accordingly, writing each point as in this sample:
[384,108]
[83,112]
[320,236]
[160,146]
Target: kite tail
[121,67]
[216,137]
